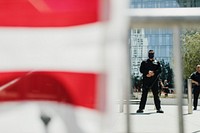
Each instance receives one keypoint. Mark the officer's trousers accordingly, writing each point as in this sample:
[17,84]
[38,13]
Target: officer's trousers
[145,91]
[196,92]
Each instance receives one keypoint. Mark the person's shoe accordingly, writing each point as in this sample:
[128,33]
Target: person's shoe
[140,111]
[195,108]
[160,111]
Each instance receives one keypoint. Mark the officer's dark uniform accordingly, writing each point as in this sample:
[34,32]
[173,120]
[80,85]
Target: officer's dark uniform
[150,82]
[196,89]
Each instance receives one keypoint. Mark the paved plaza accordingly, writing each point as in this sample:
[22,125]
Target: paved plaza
[152,122]
[25,118]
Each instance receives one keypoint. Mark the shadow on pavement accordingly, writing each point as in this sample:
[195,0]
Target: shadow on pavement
[145,113]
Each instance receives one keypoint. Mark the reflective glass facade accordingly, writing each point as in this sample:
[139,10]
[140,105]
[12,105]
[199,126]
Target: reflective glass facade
[153,3]
[160,39]
[189,3]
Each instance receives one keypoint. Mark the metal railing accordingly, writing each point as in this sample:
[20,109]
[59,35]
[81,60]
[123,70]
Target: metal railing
[189,83]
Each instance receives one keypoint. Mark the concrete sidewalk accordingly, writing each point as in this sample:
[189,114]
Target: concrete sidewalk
[152,122]
[170,101]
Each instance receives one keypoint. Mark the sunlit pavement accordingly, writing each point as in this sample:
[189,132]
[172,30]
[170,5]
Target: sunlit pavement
[25,118]
[152,122]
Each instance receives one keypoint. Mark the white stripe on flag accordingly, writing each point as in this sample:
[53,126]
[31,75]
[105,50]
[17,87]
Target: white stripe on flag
[72,49]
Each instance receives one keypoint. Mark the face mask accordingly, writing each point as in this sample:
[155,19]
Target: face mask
[151,55]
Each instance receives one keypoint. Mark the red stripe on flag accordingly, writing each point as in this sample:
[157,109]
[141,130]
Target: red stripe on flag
[66,87]
[45,13]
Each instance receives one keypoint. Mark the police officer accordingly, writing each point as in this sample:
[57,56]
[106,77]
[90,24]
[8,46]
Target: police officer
[195,76]
[150,69]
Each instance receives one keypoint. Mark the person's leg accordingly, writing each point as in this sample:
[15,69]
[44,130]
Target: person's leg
[156,99]
[167,91]
[196,95]
[143,99]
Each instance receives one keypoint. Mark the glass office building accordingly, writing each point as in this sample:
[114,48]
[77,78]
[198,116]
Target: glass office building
[160,39]
[189,3]
[153,3]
